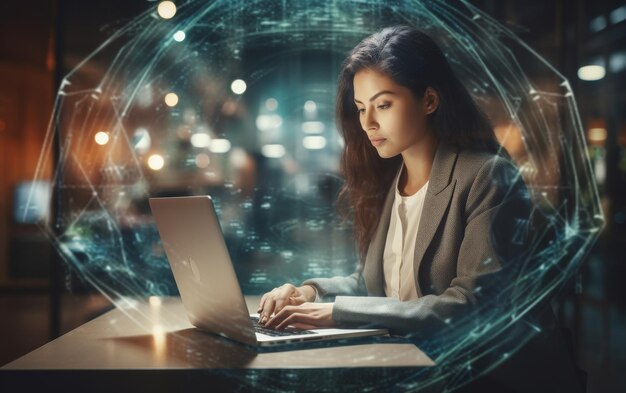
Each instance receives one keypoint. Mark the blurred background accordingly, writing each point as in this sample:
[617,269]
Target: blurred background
[41,297]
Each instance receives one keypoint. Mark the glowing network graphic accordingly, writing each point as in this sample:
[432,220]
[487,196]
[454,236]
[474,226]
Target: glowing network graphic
[236,99]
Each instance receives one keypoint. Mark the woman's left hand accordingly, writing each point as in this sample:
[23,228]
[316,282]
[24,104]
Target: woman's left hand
[304,316]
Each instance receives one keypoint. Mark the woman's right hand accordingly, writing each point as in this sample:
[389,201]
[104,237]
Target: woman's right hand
[285,295]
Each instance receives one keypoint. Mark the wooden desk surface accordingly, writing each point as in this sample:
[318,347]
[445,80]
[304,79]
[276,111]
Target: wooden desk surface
[156,334]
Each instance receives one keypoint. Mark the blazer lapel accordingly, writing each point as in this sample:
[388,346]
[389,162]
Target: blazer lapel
[436,202]
[438,195]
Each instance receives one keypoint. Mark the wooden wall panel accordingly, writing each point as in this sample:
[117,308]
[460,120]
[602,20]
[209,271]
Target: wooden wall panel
[27,64]
[26,100]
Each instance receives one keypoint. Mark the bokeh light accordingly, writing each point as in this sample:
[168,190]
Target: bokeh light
[314,142]
[312,127]
[200,140]
[591,72]
[310,106]
[238,86]
[203,160]
[220,146]
[273,151]
[166,9]
[597,135]
[271,104]
[179,36]
[156,162]
[171,99]
[102,137]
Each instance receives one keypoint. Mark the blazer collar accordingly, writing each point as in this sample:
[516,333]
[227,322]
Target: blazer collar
[435,205]
[443,165]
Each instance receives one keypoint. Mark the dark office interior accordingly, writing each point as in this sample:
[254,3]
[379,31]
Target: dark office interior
[41,297]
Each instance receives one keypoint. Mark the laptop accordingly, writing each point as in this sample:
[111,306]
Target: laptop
[206,279]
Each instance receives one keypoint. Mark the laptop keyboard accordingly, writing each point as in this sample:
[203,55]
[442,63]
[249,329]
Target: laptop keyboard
[274,332]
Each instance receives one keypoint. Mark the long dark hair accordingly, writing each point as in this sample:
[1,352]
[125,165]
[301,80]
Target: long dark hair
[412,59]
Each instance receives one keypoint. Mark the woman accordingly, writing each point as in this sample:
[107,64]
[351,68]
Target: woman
[440,212]
[424,179]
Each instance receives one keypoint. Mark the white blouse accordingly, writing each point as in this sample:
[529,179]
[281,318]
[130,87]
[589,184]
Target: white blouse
[399,253]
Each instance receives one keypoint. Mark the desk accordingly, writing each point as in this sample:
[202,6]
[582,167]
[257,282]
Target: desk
[153,343]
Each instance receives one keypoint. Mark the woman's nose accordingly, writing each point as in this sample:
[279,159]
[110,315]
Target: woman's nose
[369,121]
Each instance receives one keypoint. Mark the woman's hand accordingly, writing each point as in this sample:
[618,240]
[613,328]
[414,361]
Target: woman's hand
[304,316]
[285,295]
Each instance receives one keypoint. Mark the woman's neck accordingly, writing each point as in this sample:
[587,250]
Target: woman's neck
[418,163]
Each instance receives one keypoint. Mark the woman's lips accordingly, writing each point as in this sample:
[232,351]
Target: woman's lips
[377,141]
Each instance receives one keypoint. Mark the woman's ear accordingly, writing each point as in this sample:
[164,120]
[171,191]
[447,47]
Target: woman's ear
[431,100]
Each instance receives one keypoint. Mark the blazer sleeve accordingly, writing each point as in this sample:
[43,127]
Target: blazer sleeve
[496,202]
[328,288]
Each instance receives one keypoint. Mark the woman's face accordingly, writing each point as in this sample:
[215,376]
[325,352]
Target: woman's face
[391,116]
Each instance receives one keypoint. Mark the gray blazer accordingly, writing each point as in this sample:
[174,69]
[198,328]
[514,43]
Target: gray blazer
[471,246]
[457,247]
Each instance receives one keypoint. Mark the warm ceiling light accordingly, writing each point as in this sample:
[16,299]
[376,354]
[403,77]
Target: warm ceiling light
[102,137]
[597,135]
[166,9]
[156,162]
[171,99]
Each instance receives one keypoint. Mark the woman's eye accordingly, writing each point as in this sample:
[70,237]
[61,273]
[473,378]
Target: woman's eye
[383,106]
[360,110]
